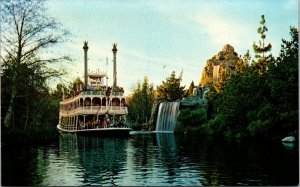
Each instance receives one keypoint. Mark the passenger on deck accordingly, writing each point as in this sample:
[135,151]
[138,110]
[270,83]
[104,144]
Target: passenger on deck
[89,124]
[107,122]
[101,123]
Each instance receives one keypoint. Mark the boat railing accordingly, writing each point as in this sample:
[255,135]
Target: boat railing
[117,94]
[95,109]
[93,92]
[102,93]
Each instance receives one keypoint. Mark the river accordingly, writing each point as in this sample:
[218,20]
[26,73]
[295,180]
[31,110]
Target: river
[150,159]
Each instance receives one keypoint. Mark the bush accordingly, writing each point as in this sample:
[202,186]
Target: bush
[31,135]
[192,117]
[217,125]
[180,129]
[259,127]
[136,126]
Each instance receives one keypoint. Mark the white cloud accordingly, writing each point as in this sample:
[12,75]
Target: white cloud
[223,29]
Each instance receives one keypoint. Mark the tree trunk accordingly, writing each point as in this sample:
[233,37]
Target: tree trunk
[10,110]
[27,110]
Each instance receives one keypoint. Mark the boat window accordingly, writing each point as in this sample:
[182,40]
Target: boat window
[96,101]
[115,102]
[87,101]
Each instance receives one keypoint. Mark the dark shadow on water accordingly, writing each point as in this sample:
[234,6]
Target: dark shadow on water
[101,159]
[225,162]
[151,159]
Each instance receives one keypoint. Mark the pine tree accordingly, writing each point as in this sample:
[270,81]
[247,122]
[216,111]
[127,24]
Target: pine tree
[190,90]
[171,89]
[261,50]
[141,101]
[247,58]
[242,65]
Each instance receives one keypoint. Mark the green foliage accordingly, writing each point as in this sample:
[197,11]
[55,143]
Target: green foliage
[33,106]
[247,58]
[27,32]
[141,101]
[260,50]
[28,108]
[284,83]
[191,122]
[30,136]
[60,90]
[170,90]
[259,127]
[217,125]
[136,126]
[30,83]
[243,64]
[192,118]
[189,91]
[259,103]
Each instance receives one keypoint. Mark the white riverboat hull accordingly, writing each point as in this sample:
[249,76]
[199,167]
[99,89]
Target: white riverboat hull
[110,131]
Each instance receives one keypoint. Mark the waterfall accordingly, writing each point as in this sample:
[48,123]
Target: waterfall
[216,73]
[166,118]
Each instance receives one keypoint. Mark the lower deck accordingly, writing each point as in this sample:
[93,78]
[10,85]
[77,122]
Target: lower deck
[110,131]
[82,122]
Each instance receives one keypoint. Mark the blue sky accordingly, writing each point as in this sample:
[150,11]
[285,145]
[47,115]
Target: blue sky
[156,37]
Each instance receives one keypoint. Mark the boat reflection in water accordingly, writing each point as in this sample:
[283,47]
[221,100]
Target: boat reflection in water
[82,160]
[150,160]
[154,160]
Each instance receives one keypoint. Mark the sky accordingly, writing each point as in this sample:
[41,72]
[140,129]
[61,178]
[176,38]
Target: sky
[157,37]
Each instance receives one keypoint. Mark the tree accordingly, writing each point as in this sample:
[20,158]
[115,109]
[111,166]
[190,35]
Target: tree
[284,86]
[27,33]
[260,104]
[27,85]
[247,58]
[170,90]
[141,101]
[260,50]
[190,90]
[242,65]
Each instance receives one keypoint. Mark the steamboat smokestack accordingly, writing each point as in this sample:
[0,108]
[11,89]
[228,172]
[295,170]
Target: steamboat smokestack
[85,47]
[114,50]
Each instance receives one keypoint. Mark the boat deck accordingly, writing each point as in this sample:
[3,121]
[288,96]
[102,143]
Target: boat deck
[110,131]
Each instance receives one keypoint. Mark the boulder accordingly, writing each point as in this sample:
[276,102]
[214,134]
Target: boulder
[190,101]
[289,139]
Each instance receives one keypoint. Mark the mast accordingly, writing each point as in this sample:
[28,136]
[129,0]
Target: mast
[106,72]
[114,50]
[85,48]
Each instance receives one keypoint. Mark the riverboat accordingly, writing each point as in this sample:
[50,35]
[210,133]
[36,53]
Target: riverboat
[95,108]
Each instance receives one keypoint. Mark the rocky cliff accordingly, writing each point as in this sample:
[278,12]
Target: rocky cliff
[223,63]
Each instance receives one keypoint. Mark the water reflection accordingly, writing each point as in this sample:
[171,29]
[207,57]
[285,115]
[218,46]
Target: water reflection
[241,163]
[155,161]
[103,159]
[22,165]
[151,160]
[82,160]
[289,145]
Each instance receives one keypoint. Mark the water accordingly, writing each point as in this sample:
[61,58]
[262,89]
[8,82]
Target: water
[167,115]
[150,159]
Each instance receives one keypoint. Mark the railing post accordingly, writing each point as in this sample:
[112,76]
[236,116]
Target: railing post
[84,121]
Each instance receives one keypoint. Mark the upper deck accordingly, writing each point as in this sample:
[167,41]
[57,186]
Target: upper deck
[93,93]
[95,100]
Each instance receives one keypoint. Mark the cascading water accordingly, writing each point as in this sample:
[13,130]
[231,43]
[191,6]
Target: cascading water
[166,118]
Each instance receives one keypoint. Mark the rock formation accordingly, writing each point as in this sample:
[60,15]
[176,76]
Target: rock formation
[219,65]
[198,99]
